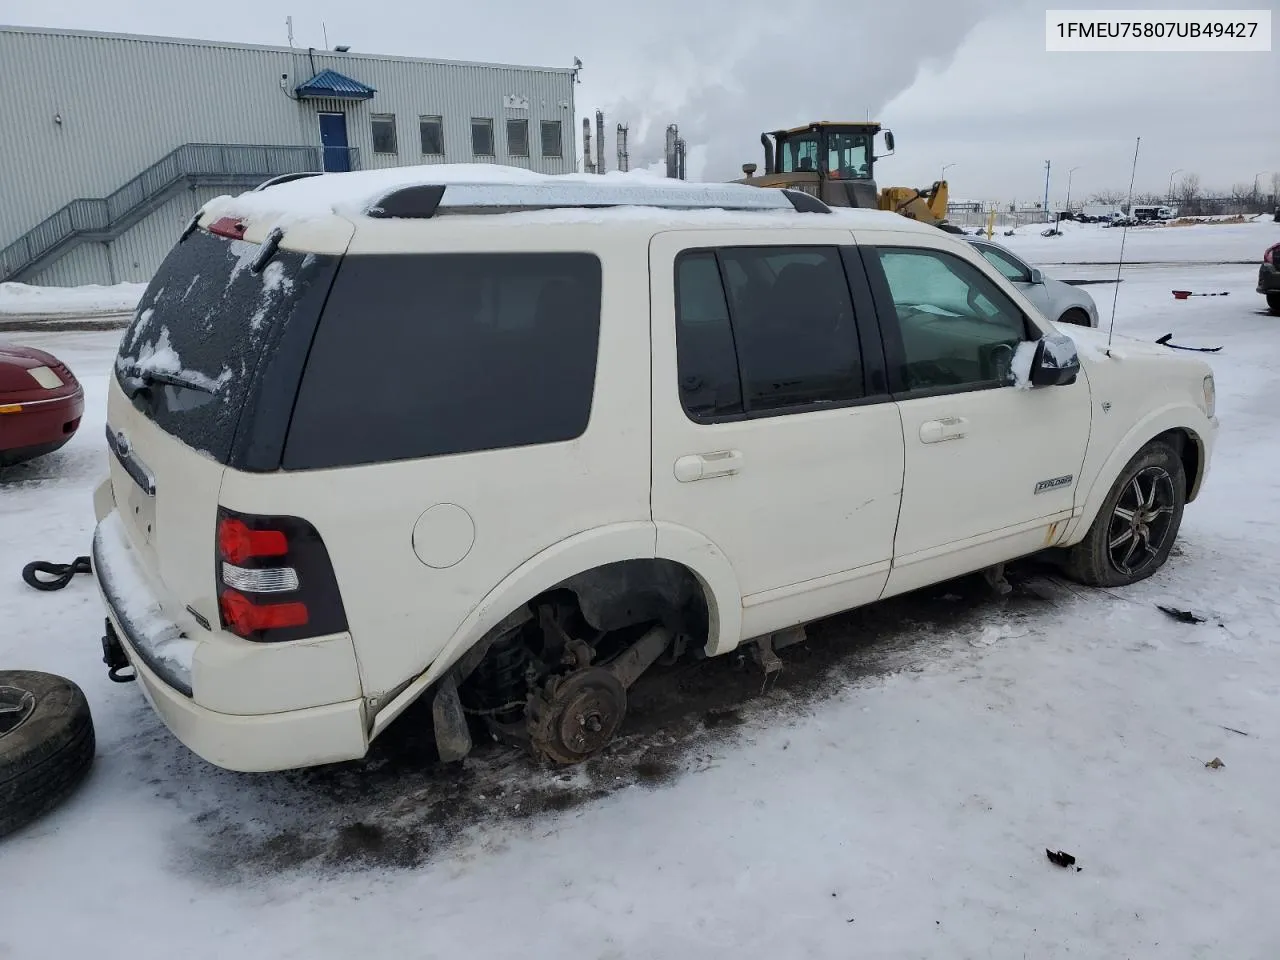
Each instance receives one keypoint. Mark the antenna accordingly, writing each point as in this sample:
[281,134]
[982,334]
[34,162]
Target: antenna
[1123,236]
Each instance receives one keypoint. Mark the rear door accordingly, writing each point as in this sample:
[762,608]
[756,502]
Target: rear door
[773,434]
[187,383]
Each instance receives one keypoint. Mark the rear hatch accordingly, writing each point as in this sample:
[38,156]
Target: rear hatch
[204,380]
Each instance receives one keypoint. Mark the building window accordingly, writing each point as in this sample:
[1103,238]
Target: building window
[551,143]
[384,133]
[431,131]
[482,136]
[518,138]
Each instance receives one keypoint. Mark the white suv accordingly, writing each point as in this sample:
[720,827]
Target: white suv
[505,440]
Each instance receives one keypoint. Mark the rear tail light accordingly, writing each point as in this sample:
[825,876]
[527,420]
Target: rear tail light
[1271,255]
[275,581]
[227,227]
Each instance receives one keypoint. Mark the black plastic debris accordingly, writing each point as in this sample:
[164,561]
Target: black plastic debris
[1165,342]
[1182,616]
[1060,857]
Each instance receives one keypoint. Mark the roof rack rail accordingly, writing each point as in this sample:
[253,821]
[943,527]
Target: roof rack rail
[285,178]
[423,201]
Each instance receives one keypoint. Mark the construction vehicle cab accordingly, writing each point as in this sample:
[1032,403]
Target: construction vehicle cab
[835,162]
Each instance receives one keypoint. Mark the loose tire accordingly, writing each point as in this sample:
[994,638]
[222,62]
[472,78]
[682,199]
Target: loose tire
[1273,301]
[46,744]
[1075,316]
[1135,529]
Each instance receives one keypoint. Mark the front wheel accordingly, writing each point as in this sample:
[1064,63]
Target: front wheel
[1075,316]
[1132,535]
[1273,301]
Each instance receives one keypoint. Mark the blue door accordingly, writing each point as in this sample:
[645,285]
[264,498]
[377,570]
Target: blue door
[333,138]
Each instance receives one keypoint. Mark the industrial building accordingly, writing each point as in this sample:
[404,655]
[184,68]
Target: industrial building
[112,142]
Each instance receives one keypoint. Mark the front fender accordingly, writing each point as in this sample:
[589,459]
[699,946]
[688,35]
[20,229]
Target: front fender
[1173,416]
[575,555]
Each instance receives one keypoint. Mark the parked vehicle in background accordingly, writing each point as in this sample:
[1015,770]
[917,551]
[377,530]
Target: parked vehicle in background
[40,403]
[1151,212]
[381,436]
[1269,277]
[1060,302]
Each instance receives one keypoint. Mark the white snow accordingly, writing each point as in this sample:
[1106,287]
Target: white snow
[1020,366]
[356,192]
[19,298]
[1194,243]
[903,813]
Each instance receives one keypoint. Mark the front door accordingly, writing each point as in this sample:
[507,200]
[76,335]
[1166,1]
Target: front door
[991,467]
[333,140]
[773,435]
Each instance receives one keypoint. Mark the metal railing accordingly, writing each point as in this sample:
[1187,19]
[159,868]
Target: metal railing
[107,217]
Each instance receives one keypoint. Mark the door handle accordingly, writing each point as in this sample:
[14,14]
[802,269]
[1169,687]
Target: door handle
[703,466]
[947,428]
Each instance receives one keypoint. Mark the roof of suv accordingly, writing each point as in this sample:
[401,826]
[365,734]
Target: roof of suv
[432,191]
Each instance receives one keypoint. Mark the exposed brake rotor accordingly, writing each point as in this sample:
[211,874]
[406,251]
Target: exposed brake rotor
[574,717]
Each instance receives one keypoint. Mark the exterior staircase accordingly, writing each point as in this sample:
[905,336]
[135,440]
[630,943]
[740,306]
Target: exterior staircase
[103,219]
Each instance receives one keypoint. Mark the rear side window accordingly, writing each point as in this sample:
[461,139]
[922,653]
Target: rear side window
[190,357]
[435,354]
[765,329]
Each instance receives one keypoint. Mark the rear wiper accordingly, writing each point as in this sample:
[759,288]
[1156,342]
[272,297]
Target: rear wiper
[147,377]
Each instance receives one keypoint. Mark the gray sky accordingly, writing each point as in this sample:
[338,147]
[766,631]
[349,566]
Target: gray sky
[959,81]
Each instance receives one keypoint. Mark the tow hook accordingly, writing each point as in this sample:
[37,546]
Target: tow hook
[113,656]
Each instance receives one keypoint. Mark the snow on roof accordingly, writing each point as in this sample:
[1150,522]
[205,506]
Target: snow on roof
[358,192]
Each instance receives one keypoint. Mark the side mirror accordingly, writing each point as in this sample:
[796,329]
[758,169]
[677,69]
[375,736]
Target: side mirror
[1056,362]
[1036,275]
[888,140]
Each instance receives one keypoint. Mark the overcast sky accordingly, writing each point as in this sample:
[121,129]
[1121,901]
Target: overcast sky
[964,82]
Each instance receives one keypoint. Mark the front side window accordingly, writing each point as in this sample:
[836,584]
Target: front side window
[482,136]
[518,138]
[780,336]
[957,328]
[423,355]
[847,155]
[384,133]
[1014,270]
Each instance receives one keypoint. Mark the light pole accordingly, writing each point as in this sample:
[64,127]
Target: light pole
[1171,176]
[1069,173]
[944,170]
[1046,192]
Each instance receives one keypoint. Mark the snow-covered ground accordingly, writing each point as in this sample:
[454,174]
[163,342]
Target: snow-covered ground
[891,796]
[20,298]
[1095,244]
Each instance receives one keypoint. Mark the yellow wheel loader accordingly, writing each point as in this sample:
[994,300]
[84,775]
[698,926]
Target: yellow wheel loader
[835,162]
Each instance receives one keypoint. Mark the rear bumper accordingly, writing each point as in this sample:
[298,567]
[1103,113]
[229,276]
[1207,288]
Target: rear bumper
[175,670]
[38,427]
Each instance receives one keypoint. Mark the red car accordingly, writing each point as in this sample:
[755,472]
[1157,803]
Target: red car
[40,403]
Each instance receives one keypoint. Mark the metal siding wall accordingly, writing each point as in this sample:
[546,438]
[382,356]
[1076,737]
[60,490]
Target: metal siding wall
[87,263]
[126,102]
[141,249]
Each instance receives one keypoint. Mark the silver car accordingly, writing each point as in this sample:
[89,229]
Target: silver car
[1060,302]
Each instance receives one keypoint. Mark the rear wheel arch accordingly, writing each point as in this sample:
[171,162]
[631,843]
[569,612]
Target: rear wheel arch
[595,567]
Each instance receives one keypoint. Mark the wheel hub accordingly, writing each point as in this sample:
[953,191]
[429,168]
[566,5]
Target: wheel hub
[577,716]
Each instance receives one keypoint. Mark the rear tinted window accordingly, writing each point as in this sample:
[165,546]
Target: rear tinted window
[426,355]
[191,355]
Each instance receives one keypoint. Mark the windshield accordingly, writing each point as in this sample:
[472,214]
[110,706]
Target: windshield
[208,317]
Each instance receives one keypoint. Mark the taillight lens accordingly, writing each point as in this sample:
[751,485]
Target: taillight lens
[275,581]
[1271,255]
[227,227]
